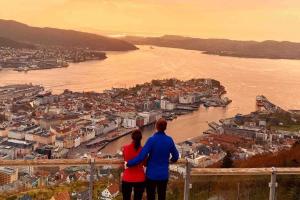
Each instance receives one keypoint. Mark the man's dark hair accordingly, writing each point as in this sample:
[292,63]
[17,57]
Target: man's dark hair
[161,124]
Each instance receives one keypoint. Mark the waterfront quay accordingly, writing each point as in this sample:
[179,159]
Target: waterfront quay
[93,147]
[267,130]
[34,123]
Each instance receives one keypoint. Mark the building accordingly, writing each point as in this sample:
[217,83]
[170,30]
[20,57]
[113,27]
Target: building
[16,134]
[8,175]
[20,132]
[7,152]
[86,134]
[150,117]
[69,141]
[41,137]
[21,147]
[129,122]
[3,132]
[187,99]
[167,105]
[110,192]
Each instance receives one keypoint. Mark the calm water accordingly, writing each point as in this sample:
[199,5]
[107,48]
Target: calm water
[243,78]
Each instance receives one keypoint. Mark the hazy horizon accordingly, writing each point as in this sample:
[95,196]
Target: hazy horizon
[238,20]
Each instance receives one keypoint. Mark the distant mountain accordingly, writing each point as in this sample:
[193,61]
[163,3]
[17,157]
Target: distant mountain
[223,47]
[4,42]
[59,37]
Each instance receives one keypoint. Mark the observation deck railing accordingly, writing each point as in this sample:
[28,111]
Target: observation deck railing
[189,171]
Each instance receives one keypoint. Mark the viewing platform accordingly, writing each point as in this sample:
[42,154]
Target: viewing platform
[91,177]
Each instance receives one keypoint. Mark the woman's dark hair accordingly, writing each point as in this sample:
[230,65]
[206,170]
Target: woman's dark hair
[136,136]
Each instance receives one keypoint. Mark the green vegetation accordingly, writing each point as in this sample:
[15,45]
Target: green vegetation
[47,193]
[292,127]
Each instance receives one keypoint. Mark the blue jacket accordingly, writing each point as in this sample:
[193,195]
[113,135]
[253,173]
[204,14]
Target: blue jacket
[158,149]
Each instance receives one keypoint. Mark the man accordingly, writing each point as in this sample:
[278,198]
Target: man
[158,149]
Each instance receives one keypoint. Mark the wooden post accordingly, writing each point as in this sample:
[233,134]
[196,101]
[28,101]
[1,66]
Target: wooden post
[238,191]
[92,165]
[273,184]
[187,181]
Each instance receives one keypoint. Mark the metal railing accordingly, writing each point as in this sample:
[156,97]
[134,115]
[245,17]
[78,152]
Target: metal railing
[189,171]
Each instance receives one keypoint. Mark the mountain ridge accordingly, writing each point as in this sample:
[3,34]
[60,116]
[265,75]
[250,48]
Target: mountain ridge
[5,42]
[20,32]
[225,47]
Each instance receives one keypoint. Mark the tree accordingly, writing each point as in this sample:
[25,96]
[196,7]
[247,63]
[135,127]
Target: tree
[227,161]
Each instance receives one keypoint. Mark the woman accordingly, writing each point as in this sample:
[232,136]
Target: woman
[133,177]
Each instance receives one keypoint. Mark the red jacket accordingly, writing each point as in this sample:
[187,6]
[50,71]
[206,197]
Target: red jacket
[136,173]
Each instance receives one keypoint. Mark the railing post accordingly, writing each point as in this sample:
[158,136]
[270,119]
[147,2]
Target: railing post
[91,183]
[187,181]
[273,184]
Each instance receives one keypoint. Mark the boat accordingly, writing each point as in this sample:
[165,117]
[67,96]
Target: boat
[64,64]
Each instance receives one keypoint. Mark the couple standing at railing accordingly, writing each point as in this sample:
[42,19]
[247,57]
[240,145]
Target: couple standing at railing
[155,156]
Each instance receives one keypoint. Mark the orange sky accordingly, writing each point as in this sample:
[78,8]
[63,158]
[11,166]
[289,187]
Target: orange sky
[234,19]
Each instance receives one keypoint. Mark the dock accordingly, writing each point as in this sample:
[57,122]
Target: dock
[101,141]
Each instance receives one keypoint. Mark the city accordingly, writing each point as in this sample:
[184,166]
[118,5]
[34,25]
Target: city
[36,124]
[139,99]
[37,58]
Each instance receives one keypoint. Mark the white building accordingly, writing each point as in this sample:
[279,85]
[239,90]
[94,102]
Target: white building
[129,122]
[112,125]
[16,134]
[87,134]
[187,99]
[167,105]
[150,117]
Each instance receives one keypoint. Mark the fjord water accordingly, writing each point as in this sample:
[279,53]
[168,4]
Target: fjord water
[243,78]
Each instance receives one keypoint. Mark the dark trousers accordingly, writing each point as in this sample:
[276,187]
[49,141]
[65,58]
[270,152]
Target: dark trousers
[138,190]
[160,186]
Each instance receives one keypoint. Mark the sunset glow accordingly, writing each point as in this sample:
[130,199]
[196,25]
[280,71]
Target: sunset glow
[235,19]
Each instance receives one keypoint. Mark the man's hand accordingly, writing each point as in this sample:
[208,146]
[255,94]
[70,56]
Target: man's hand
[125,165]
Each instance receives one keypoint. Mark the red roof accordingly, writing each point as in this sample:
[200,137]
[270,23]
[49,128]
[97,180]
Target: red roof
[113,188]
[62,196]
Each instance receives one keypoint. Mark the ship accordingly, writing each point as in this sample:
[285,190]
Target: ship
[64,64]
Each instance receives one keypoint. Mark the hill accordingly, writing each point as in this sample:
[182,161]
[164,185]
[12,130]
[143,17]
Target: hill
[285,158]
[60,37]
[4,42]
[223,47]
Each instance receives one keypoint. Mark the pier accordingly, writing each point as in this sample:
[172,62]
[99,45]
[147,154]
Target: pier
[262,101]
